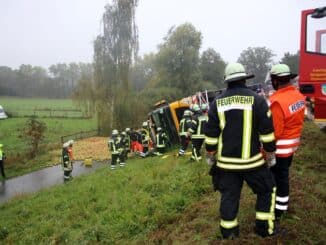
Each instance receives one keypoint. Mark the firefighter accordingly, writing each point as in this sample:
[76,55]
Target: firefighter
[161,141]
[128,144]
[198,137]
[185,130]
[123,148]
[2,158]
[288,107]
[144,139]
[114,145]
[66,161]
[239,121]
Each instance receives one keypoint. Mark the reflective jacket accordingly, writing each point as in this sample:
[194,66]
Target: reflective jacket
[66,161]
[287,106]
[198,127]
[1,155]
[185,125]
[239,121]
[114,144]
[161,140]
[144,137]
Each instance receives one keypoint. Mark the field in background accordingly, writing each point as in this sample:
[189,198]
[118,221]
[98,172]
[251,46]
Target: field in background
[25,107]
[16,146]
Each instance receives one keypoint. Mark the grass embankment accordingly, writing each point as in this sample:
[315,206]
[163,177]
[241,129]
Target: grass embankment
[157,200]
[16,146]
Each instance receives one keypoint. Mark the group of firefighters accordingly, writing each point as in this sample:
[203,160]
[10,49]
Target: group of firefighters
[135,141]
[246,138]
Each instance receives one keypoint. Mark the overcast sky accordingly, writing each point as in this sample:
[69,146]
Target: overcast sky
[45,32]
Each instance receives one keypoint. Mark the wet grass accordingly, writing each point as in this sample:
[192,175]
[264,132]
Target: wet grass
[163,201]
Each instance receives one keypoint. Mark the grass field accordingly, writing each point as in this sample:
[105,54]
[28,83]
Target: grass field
[163,201]
[11,130]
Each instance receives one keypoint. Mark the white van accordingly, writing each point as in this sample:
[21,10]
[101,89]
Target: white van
[2,113]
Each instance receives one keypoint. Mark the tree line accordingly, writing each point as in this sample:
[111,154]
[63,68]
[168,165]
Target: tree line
[120,87]
[58,81]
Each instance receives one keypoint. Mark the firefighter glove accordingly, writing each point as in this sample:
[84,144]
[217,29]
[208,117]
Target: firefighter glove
[210,159]
[270,159]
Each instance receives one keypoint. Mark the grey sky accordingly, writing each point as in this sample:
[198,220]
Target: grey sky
[45,32]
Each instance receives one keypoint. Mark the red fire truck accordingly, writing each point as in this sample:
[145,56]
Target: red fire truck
[312,70]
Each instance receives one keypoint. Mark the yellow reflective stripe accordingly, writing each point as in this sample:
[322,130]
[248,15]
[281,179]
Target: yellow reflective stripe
[221,117]
[263,216]
[240,160]
[272,211]
[269,113]
[246,134]
[240,167]
[266,138]
[229,224]
[211,141]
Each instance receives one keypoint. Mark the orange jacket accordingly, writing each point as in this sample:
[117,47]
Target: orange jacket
[287,106]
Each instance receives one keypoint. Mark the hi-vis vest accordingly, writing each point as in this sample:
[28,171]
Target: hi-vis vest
[199,132]
[239,121]
[292,103]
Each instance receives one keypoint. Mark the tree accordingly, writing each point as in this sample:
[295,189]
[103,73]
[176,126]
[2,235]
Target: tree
[212,67]
[257,61]
[292,60]
[178,59]
[34,133]
[114,52]
[143,71]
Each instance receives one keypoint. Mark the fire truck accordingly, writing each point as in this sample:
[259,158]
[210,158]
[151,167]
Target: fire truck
[312,67]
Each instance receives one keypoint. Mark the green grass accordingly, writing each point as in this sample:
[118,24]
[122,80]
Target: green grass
[165,201]
[16,146]
[26,106]
[121,206]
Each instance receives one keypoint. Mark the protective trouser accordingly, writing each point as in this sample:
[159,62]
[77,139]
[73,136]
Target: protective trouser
[114,160]
[184,140]
[2,170]
[229,184]
[196,146]
[123,158]
[281,175]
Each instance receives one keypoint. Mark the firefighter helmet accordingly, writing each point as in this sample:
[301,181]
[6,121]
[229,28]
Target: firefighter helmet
[204,107]
[123,133]
[127,130]
[145,124]
[236,72]
[187,113]
[66,144]
[159,129]
[115,132]
[195,108]
[282,70]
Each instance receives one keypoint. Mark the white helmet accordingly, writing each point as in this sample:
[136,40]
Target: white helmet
[127,129]
[195,108]
[159,129]
[145,124]
[236,72]
[123,133]
[187,113]
[204,106]
[115,132]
